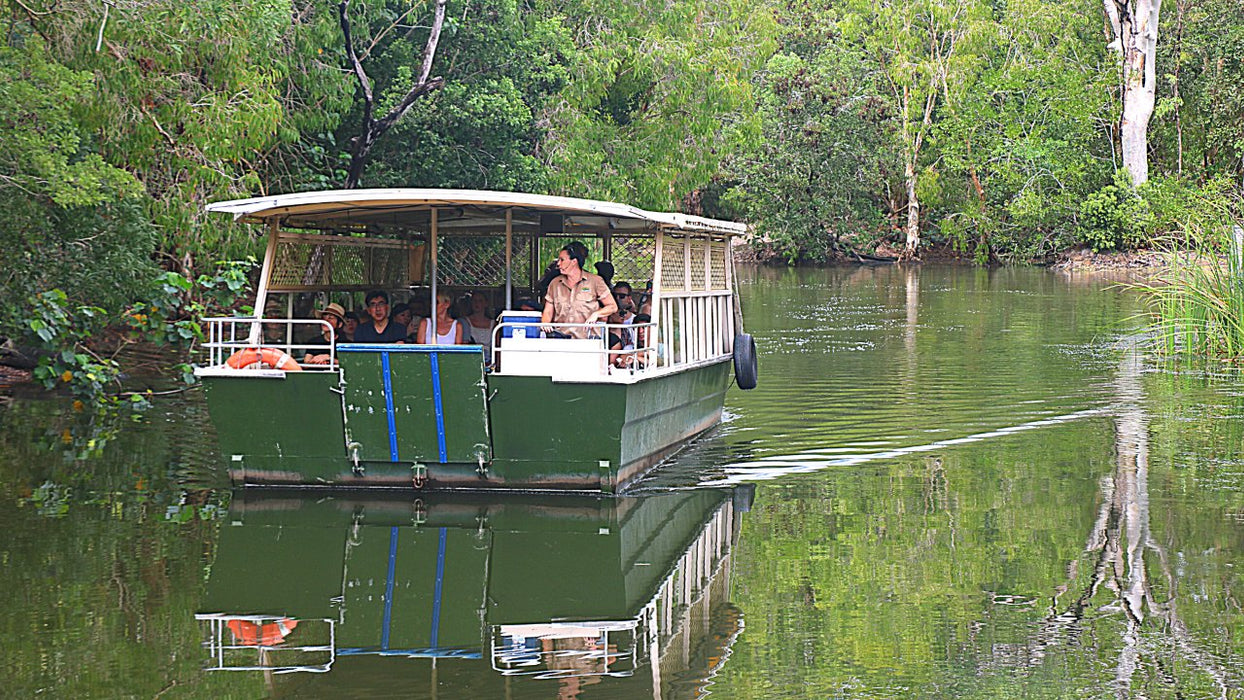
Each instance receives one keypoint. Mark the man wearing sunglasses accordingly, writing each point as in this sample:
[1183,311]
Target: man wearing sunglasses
[623,295]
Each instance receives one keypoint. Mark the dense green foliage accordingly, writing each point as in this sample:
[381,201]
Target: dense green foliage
[1018,105]
[835,126]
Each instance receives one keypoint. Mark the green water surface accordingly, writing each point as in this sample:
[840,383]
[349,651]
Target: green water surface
[950,483]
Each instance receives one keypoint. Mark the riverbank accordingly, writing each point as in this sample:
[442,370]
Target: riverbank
[1134,264]
[1139,262]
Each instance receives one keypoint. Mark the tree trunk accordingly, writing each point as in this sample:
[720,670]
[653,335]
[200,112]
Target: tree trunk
[913,210]
[1135,23]
[372,129]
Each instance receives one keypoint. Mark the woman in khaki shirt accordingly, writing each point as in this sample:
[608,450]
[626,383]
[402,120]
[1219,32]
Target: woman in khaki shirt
[576,296]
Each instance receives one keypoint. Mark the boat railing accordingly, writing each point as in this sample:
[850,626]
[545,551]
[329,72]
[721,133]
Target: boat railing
[227,336]
[571,350]
[566,649]
[244,643]
[696,326]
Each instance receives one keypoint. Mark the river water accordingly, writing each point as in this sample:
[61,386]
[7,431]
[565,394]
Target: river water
[950,483]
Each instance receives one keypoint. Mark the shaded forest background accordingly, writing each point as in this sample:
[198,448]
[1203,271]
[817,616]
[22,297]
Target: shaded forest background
[819,121]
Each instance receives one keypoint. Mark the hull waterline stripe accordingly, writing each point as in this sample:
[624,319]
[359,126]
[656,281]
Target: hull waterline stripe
[440,413]
[388,589]
[388,406]
[440,580]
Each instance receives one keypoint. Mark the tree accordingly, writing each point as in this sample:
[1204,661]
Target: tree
[483,130]
[1134,24]
[658,94]
[812,184]
[372,128]
[1019,152]
[919,46]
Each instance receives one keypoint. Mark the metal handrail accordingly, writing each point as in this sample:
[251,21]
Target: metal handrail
[228,335]
[512,661]
[218,649]
[650,353]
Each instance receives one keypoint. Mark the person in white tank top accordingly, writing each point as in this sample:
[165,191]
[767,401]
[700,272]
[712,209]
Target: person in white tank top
[448,330]
[478,324]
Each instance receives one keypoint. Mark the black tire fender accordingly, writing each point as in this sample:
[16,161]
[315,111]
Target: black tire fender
[745,369]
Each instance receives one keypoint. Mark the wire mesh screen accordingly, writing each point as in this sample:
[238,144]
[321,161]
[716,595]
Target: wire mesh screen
[551,245]
[698,251]
[719,252]
[315,263]
[634,259]
[479,261]
[673,264]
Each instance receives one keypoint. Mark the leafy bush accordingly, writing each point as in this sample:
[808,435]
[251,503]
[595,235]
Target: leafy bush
[1116,217]
[170,315]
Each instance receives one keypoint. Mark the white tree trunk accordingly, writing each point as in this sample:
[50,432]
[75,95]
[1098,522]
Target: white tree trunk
[1135,23]
[913,210]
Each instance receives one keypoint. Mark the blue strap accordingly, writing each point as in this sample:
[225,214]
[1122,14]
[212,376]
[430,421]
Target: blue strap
[388,589]
[414,653]
[383,347]
[388,405]
[440,580]
[440,413]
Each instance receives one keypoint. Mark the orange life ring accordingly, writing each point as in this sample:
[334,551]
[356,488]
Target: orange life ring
[249,634]
[263,358]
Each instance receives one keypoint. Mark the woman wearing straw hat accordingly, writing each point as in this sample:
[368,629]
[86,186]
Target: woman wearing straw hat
[334,315]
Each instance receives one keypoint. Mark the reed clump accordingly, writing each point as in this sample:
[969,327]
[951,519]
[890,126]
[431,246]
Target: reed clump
[1195,303]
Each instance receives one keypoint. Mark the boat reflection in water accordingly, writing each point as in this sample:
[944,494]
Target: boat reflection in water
[476,593]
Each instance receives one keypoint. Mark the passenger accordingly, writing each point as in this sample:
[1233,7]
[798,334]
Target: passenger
[626,311]
[335,316]
[419,311]
[461,309]
[352,324]
[403,314]
[639,355]
[479,323]
[622,295]
[604,268]
[644,306]
[576,296]
[550,273]
[382,329]
[448,330]
[528,305]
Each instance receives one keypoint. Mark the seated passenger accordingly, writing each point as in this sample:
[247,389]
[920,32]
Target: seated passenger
[626,310]
[402,314]
[448,330]
[352,324]
[639,355]
[334,316]
[381,329]
[604,268]
[576,296]
[643,304]
[479,321]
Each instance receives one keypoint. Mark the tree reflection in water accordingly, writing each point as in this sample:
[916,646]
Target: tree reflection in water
[1116,548]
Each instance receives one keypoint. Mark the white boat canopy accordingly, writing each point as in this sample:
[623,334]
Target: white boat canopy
[457,209]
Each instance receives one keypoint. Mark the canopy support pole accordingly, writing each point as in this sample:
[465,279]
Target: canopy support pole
[432,306]
[261,296]
[509,258]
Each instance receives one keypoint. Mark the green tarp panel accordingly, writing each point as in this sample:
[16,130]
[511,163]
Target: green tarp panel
[413,590]
[415,403]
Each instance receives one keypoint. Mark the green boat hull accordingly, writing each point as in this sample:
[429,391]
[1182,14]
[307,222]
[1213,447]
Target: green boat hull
[415,417]
[358,576]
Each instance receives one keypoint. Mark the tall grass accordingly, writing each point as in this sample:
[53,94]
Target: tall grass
[1195,305]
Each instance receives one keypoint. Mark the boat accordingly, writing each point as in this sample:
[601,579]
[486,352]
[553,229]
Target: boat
[368,592]
[534,411]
